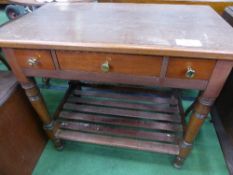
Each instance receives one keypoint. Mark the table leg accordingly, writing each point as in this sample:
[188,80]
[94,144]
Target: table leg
[202,108]
[34,96]
[197,118]
[38,104]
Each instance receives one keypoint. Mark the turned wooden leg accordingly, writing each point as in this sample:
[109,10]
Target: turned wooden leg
[202,107]
[38,104]
[190,108]
[199,114]
[34,96]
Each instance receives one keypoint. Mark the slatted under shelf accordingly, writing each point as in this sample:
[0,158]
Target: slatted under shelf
[131,118]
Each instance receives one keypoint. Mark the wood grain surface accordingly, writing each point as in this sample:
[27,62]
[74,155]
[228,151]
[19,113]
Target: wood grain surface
[177,68]
[177,30]
[118,63]
[43,57]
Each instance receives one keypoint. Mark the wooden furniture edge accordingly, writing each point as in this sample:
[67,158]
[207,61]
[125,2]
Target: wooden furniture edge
[120,78]
[119,48]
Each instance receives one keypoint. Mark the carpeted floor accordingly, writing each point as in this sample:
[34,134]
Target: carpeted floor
[3,17]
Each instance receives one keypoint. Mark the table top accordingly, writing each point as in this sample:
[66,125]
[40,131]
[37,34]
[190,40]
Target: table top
[42,2]
[176,30]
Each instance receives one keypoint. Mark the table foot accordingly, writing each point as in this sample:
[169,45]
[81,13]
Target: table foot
[179,161]
[58,144]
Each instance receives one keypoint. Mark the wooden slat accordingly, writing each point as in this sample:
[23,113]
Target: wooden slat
[120,96]
[122,112]
[127,89]
[66,96]
[94,115]
[149,107]
[121,121]
[118,142]
[116,131]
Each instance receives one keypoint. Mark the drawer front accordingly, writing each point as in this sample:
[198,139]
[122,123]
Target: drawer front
[116,63]
[190,68]
[35,59]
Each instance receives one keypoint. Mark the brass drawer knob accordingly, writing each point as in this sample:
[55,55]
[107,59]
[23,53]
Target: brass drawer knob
[190,73]
[33,61]
[105,67]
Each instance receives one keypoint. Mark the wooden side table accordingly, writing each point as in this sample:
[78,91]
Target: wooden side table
[136,45]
